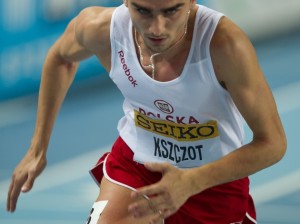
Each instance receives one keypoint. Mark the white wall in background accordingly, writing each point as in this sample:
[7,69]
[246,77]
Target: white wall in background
[261,18]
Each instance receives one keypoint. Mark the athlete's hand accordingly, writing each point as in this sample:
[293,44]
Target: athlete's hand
[165,197]
[23,177]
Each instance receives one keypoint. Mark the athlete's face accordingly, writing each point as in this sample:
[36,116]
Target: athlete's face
[160,22]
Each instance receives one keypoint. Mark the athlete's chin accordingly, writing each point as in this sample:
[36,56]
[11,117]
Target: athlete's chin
[158,48]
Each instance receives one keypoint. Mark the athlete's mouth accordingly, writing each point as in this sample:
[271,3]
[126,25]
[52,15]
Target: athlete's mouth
[156,40]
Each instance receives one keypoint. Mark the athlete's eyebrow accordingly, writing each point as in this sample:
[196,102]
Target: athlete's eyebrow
[166,9]
[174,7]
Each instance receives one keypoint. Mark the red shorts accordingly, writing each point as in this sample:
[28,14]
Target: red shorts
[224,204]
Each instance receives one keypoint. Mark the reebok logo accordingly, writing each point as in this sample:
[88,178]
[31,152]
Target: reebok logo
[126,69]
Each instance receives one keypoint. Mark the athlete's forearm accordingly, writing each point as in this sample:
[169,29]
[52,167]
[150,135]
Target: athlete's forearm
[243,162]
[57,76]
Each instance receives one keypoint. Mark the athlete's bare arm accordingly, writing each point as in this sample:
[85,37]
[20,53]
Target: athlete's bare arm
[86,35]
[236,66]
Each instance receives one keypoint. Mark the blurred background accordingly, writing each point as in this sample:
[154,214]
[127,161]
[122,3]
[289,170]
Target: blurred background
[86,125]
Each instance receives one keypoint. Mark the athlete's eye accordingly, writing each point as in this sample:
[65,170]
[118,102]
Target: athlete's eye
[143,11]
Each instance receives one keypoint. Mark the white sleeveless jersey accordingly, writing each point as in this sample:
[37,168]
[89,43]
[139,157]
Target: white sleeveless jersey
[188,121]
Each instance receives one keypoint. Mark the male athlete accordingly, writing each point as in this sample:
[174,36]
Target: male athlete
[190,78]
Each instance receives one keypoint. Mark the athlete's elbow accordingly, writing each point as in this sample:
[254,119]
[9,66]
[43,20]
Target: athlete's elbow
[281,147]
[273,148]
[278,147]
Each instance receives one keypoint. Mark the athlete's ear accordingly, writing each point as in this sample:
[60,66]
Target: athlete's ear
[125,3]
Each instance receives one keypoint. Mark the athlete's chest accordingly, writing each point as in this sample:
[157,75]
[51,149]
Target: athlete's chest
[167,64]
[167,69]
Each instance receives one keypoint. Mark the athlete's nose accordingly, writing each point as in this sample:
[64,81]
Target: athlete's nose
[157,26]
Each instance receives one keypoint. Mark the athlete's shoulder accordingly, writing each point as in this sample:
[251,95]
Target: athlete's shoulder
[95,16]
[229,39]
[232,52]
[92,25]
[230,45]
